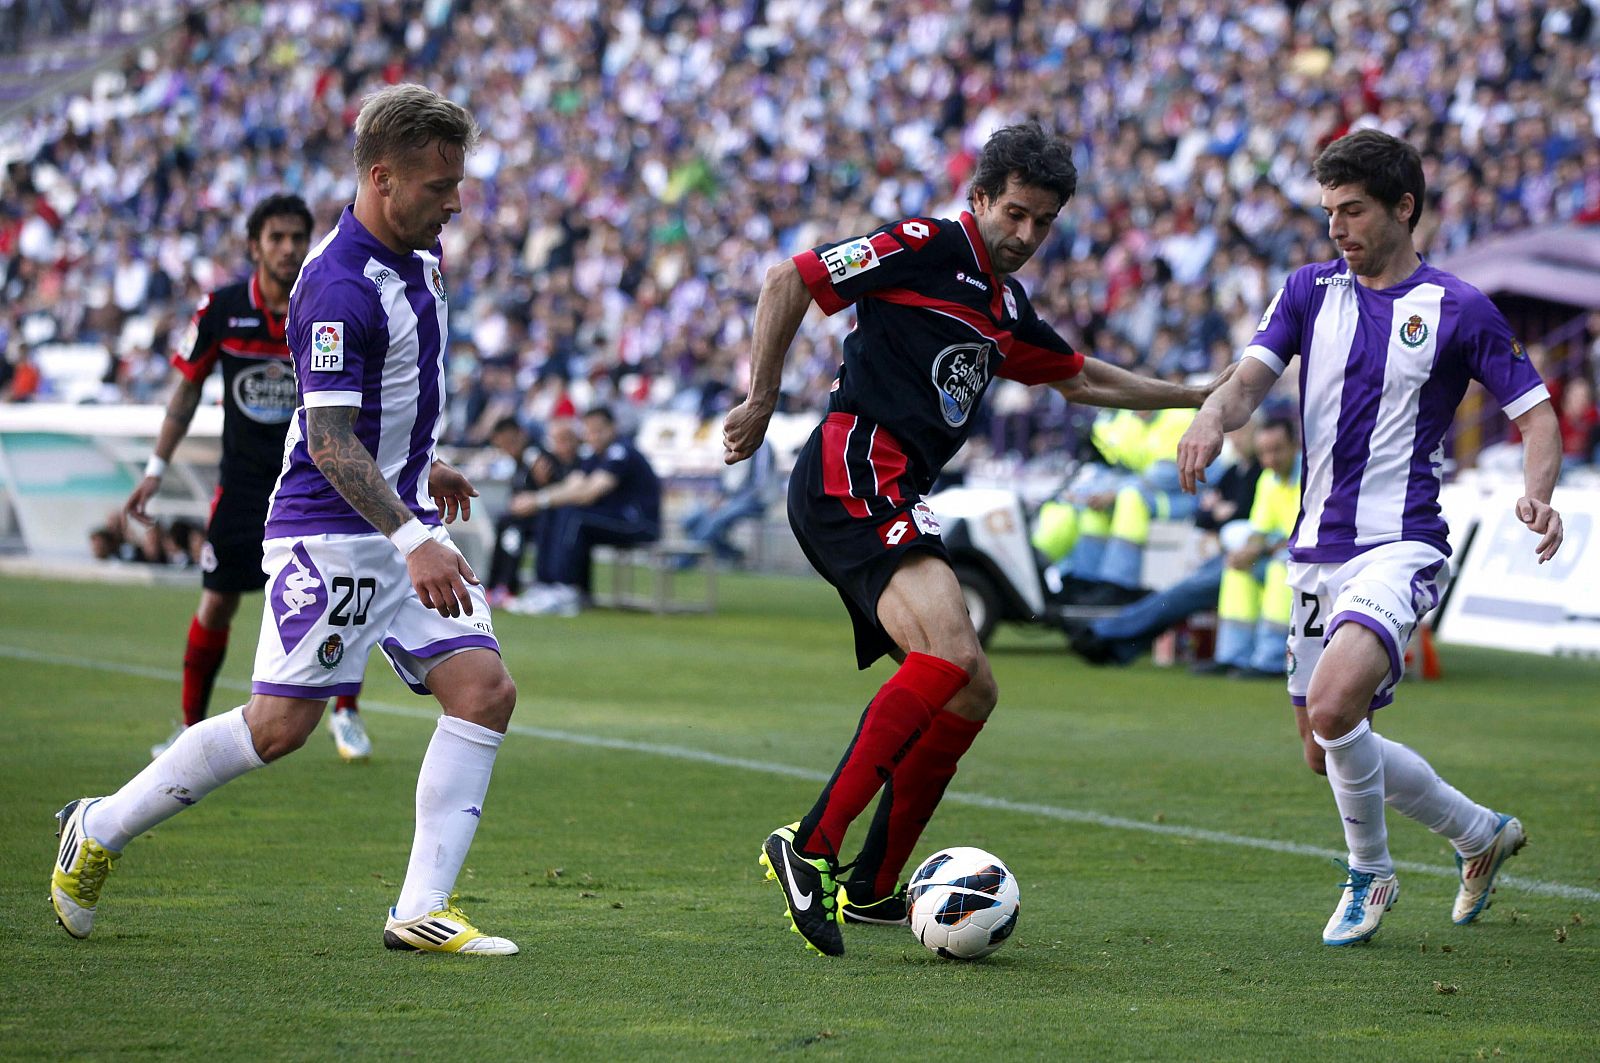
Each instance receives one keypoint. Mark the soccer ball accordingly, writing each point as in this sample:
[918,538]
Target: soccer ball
[964,903]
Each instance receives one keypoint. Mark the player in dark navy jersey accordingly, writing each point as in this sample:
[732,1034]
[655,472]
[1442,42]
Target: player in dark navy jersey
[614,498]
[939,317]
[240,328]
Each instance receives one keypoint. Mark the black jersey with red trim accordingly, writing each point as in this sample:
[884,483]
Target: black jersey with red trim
[934,327]
[234,327]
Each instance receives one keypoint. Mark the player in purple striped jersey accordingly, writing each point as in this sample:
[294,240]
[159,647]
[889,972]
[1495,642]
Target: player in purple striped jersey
[356,555]
[1388,345]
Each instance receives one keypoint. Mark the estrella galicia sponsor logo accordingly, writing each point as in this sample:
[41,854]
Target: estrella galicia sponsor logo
[331,652]
[1414,333]
[298,598]
[960,373]
[264,392]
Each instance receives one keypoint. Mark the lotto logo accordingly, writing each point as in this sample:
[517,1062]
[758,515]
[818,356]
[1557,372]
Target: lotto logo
[897,531]
[917,232]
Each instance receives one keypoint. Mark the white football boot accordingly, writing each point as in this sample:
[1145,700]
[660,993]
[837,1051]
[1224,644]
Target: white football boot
[1478,872]
[1364,899]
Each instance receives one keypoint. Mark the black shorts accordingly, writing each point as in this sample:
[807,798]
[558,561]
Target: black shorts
[856,511]
[231,563]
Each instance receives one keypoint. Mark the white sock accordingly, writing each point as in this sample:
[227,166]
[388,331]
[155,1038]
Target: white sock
[450,790]
[204,757]
[1355,771]
[1415,790]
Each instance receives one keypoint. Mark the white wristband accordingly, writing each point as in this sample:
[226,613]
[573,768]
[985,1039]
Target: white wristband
[155,466]
[410,535]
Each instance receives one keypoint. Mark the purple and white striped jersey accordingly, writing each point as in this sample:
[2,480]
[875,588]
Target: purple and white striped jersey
[1381,375]
[366,329]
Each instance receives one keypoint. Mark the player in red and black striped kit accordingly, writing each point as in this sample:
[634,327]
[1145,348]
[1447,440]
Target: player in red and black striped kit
[938,317]
[240,328]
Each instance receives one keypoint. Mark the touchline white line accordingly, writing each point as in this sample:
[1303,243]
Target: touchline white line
[703,756]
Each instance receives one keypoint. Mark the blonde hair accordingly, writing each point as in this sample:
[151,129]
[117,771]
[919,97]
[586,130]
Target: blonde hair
[400,119]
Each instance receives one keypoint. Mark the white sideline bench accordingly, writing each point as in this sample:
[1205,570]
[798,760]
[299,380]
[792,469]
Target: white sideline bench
[645,577]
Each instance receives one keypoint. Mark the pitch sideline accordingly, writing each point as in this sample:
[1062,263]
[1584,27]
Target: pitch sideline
[1066,815]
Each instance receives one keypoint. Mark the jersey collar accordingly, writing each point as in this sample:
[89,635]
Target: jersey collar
[969,225]
[361,235]
[274,322]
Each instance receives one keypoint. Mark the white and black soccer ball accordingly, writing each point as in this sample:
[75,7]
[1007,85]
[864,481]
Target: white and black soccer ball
[964,903]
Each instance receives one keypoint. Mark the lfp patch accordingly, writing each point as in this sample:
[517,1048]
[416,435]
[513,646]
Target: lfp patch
[327,346]
[850,258]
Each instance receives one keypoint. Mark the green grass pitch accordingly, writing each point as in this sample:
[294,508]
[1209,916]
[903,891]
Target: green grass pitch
[1171,846]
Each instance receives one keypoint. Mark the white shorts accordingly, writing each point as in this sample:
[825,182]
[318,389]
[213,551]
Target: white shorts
[331,598]
[1386,590]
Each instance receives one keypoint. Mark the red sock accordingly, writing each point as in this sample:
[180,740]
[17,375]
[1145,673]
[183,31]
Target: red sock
[202,660]
[919,783]
[889,729]
[345,701]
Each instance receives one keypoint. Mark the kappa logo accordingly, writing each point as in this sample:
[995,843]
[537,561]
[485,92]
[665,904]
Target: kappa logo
[1414,333]
[380,278]
[327,346]
[299,589]
[849,259]
[960,373]
[331,652]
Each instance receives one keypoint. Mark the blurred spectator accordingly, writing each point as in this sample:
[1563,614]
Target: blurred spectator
[22,380]
[1580,422]
[744,491]
[613,498]
[531,468]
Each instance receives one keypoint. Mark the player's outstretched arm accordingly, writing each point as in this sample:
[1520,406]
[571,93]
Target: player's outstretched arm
[451,491]
[1229,406]
[438,573]
[780,308]
[174,426]
[1103,384]
[1541,466]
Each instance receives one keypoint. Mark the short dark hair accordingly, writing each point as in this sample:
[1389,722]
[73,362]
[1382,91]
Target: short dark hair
[602,412]
[1039,159]
[280,206]
[505,424]
[1279,421]
[1387,167]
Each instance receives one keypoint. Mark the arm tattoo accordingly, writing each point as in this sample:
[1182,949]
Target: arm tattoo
[350,468]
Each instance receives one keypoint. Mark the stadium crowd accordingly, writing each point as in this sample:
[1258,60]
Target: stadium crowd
[643,163]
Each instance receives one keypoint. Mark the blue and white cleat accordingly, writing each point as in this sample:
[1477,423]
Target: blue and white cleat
[1361,906]
[1478,872]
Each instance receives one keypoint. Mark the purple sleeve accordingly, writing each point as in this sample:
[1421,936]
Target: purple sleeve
[1495,358]
[1277,338]
[332,336]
